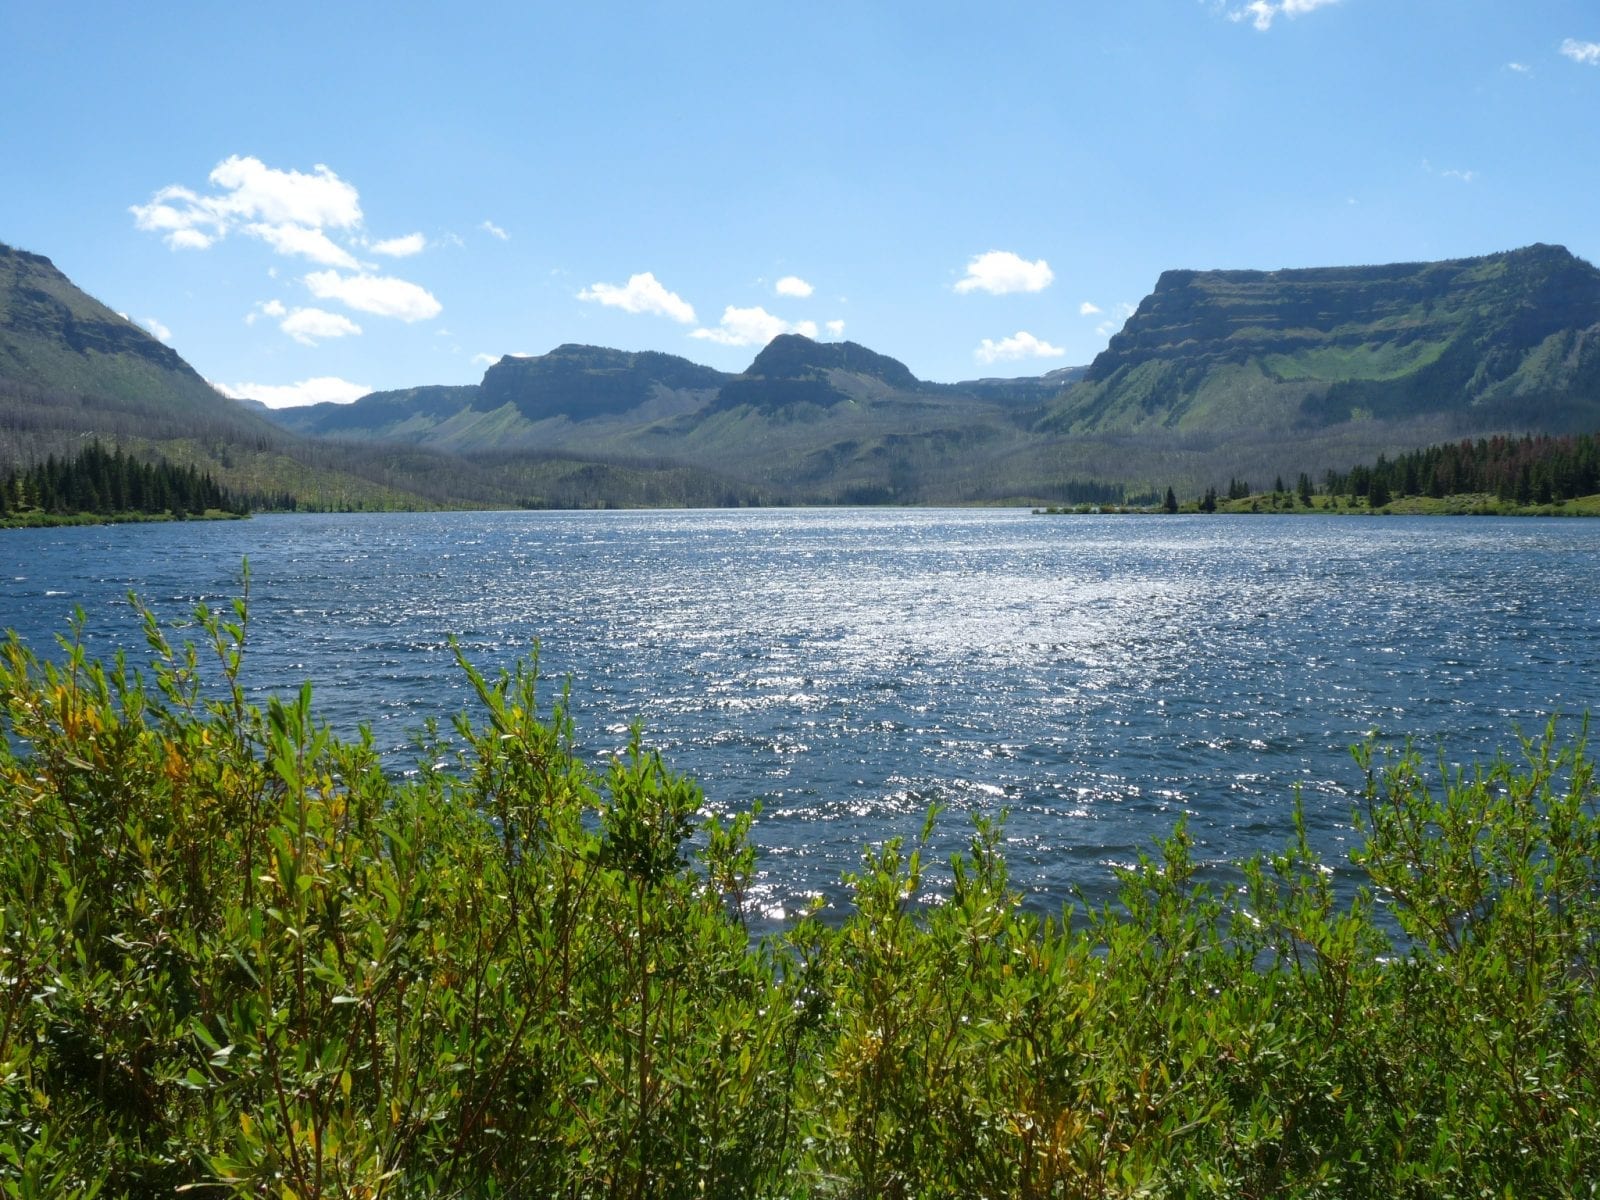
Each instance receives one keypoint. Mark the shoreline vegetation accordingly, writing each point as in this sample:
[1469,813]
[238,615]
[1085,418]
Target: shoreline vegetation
[238,957]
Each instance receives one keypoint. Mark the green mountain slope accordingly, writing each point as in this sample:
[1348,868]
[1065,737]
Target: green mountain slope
[1508,341]
[72,371]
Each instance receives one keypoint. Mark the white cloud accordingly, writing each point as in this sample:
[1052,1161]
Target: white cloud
[1519,68]
[1019,345]
[835,328]
[381,295]
[308,326]
[283,207]
[156,328]
[255,190]
[401,247]
[805,329]
[189,239]
[1088,309]
[485,360]
[793,285]
[1000,271]
[1587,53]
[292,240]
[1261,13]
[324,389]
[642,293]
[494,230]
[751,327]
[291,210]
[1463,176]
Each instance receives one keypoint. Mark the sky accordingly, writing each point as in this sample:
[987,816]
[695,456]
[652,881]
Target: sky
[313,201]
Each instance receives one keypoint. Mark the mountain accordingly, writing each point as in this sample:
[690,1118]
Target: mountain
[72,371]
[1217,374]
[1504,342]
[58,342]
[806,422]
[792,369]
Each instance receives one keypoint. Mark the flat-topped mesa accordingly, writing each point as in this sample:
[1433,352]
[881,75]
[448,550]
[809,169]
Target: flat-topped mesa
[1231,316]
[579,382]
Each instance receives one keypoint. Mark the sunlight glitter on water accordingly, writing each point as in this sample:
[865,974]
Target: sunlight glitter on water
[1095,676]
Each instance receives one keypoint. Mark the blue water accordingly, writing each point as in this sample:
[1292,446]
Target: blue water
[1094,676]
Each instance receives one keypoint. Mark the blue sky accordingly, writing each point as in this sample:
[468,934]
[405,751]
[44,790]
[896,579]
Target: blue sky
[309,201]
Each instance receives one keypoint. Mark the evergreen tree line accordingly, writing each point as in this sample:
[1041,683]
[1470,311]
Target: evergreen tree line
[106,482]
[1541,469]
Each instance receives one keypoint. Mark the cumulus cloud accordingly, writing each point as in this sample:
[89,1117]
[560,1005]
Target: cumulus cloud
[1261,13]
[308,326]
[287,209]
[494,230]
[324,389]
[752,327]
[1019,345]
[157,330]
[484,360]
[401,247]
[303,242]
[1587,53]
[835,328]
[642,293]
[793,285]
[1088,308]
[381,295]
[1000,271]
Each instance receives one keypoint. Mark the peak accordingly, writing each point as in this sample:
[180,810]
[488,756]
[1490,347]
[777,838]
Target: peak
[795,356]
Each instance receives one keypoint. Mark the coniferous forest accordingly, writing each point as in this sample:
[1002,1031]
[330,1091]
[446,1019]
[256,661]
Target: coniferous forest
[110,483]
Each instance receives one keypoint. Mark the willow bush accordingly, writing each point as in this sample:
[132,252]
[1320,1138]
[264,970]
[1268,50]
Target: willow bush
[238,958]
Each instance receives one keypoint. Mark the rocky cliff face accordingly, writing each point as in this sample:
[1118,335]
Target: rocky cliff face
[580,382]
[1221,348]
[42,315]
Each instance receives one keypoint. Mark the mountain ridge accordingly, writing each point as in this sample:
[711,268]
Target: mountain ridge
[1216,374]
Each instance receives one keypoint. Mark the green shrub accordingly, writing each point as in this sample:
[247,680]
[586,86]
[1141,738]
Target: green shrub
[238,956]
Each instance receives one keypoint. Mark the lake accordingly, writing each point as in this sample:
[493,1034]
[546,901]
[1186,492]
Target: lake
[1095,677]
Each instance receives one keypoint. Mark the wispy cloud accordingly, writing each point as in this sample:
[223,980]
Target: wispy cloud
[1519,67]
[380,295]
[1000,271]
[1088,308]
[324,389]
[1587,53]
[1261,13]
[401,247]
[1458,175]
[793,285]
[494,230]
[643,293]
[1120,314]
[157,330]
[1019,345]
